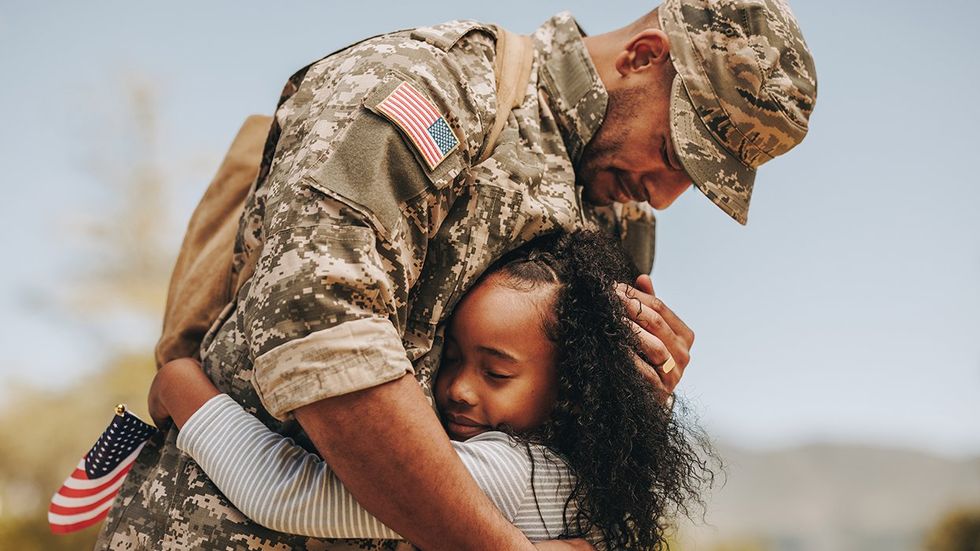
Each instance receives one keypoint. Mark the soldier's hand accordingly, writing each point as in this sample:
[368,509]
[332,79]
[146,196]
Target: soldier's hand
[665,340]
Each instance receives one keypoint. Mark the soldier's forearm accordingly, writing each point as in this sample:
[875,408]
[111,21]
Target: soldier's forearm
[388,448]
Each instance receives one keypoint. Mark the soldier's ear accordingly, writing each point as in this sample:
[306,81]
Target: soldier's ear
[645,51]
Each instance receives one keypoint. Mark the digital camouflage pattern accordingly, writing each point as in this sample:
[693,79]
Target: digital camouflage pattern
[360,251]
[744,91]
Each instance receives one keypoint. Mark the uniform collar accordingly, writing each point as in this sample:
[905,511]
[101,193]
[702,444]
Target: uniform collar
[570,81]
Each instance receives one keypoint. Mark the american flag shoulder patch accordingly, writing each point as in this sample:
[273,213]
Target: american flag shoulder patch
[421,121]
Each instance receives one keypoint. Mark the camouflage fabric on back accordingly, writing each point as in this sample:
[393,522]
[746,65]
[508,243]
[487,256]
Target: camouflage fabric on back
[362,250]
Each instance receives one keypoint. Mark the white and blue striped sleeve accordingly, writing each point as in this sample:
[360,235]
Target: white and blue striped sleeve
[500,467]
[281,486]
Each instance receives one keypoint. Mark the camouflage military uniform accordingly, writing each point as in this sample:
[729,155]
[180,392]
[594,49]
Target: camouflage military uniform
[364,248]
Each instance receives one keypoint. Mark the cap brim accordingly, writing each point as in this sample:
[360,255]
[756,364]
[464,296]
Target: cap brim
[721,176]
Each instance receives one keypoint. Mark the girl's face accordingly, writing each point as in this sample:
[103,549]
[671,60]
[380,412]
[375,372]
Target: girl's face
[498,365]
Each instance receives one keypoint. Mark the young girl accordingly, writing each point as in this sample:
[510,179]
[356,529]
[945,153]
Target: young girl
[537,389]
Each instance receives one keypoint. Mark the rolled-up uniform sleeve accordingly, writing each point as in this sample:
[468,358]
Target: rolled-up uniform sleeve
[329,294]
[320,325]
[352,356]
[350,207]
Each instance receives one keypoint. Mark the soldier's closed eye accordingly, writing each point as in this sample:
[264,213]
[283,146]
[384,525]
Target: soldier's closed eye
[665,152]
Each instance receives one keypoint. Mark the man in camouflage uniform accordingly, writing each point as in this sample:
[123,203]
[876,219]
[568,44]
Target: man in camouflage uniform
[366,239]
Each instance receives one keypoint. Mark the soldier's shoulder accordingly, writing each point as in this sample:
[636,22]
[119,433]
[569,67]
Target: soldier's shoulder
[431,43]
[452,62]
[448,35]
[450,65]
[456,54]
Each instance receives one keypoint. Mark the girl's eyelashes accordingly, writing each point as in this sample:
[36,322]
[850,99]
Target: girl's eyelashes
[498,376]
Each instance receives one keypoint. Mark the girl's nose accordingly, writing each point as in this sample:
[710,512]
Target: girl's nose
[461,390]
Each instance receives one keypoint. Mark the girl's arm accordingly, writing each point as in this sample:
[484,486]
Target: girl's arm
[179,389]
[273,481]
[283,487]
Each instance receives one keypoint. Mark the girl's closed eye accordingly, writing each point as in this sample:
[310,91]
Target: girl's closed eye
[500,376]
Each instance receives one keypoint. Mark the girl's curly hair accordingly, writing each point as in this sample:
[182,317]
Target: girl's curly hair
[636,465]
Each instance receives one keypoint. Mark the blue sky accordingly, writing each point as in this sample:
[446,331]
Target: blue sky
[847,310]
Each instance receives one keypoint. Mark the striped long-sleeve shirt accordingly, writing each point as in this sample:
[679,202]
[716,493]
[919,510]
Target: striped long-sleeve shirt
[281,486]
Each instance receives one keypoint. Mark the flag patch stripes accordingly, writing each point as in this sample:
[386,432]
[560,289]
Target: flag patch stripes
[419,119]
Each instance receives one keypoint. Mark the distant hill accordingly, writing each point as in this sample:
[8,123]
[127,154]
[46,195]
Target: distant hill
[833,498]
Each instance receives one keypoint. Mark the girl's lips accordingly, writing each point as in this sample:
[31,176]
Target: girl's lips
[463,431]
[462,420]
[460,426]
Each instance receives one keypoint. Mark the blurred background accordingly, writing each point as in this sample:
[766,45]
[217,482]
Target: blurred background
[837,362]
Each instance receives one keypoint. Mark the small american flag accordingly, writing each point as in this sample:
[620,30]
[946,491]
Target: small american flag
[86,496]
[421,121]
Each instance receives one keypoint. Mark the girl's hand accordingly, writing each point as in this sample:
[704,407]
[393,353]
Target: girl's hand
[155,402]
[179,389]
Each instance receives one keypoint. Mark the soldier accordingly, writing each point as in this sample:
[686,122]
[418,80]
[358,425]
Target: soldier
[376,207]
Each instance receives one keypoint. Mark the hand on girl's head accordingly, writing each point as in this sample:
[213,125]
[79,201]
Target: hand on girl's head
[665,340]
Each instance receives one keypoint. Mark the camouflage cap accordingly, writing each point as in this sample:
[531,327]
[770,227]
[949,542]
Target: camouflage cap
[743,94]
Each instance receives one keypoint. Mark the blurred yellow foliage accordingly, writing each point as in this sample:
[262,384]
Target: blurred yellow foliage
[742,544]
[43,435]
[957,530]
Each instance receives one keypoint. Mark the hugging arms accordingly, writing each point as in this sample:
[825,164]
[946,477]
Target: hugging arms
[538,391]
[365,227]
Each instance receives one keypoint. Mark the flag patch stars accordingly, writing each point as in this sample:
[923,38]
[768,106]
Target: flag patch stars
[443,135]
[419,119]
